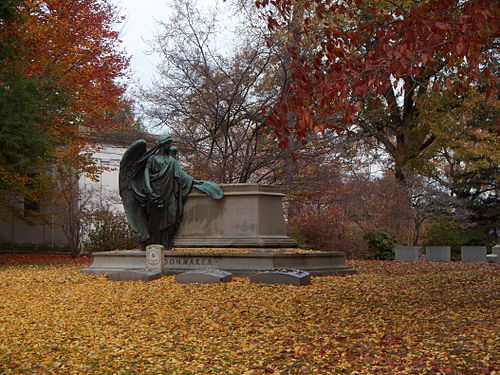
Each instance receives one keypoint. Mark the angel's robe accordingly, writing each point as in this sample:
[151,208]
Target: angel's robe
[173,185]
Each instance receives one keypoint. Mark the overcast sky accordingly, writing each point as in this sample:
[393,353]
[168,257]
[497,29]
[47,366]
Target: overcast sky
[141,26]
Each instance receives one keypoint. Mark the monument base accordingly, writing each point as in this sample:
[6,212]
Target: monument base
[238,263]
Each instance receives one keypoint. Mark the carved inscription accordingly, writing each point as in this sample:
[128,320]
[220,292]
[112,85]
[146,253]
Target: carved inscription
[188,262]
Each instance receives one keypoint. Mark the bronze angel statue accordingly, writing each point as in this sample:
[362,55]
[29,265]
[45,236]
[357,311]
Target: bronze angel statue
[154,189]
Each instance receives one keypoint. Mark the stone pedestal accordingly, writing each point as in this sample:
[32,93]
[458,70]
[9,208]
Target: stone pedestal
[473,254]
[155,255]
[249,215]
[438,253]
[406,253]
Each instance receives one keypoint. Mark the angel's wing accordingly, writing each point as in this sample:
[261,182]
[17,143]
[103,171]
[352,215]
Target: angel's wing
[128,164]
[130,186]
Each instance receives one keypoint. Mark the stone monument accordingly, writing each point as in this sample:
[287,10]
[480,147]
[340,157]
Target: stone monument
[236,228]
[249,216]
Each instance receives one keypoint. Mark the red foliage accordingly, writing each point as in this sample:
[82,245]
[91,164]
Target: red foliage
[42,258]
[361,50]
[336,213]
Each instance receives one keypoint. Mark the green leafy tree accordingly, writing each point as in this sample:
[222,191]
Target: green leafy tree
[25,145]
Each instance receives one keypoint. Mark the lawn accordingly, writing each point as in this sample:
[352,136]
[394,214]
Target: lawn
[391,318]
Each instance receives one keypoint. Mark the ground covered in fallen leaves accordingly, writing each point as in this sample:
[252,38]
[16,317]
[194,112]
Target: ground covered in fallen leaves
[391,318]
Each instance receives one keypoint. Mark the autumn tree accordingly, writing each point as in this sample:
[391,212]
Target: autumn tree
[65,56]
[466,163]
[26,104]
[373,61]
[212,99]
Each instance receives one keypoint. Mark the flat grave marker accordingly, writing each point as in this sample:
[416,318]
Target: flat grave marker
[204,277]
[288,277]
[129,275]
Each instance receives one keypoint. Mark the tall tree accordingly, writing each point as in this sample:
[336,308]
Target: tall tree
[60,73]
[373,61]
[212,100]
[25,105]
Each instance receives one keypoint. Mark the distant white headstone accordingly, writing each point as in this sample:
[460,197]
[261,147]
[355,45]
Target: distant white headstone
[473,254]
[155,258]
[407,253]
[438,253]
[495,250]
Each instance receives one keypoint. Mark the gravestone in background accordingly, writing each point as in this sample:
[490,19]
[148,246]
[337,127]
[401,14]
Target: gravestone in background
[438,253]
[495,250]
[473,254]
[406,253]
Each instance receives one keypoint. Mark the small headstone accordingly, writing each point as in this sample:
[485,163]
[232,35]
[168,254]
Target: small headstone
[473,254]
[495,250]
[155,258]
[288,277]
[406,253]
[438,253]
[204,277]
[128,275]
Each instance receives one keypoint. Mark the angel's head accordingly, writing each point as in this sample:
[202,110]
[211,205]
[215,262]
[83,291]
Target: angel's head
[163,144]
[164,140]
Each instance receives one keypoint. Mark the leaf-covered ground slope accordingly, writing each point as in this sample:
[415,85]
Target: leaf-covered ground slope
[391,318]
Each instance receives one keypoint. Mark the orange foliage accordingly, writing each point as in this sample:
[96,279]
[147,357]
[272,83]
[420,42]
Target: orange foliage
[391,318]
[73,46]
[75,43]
